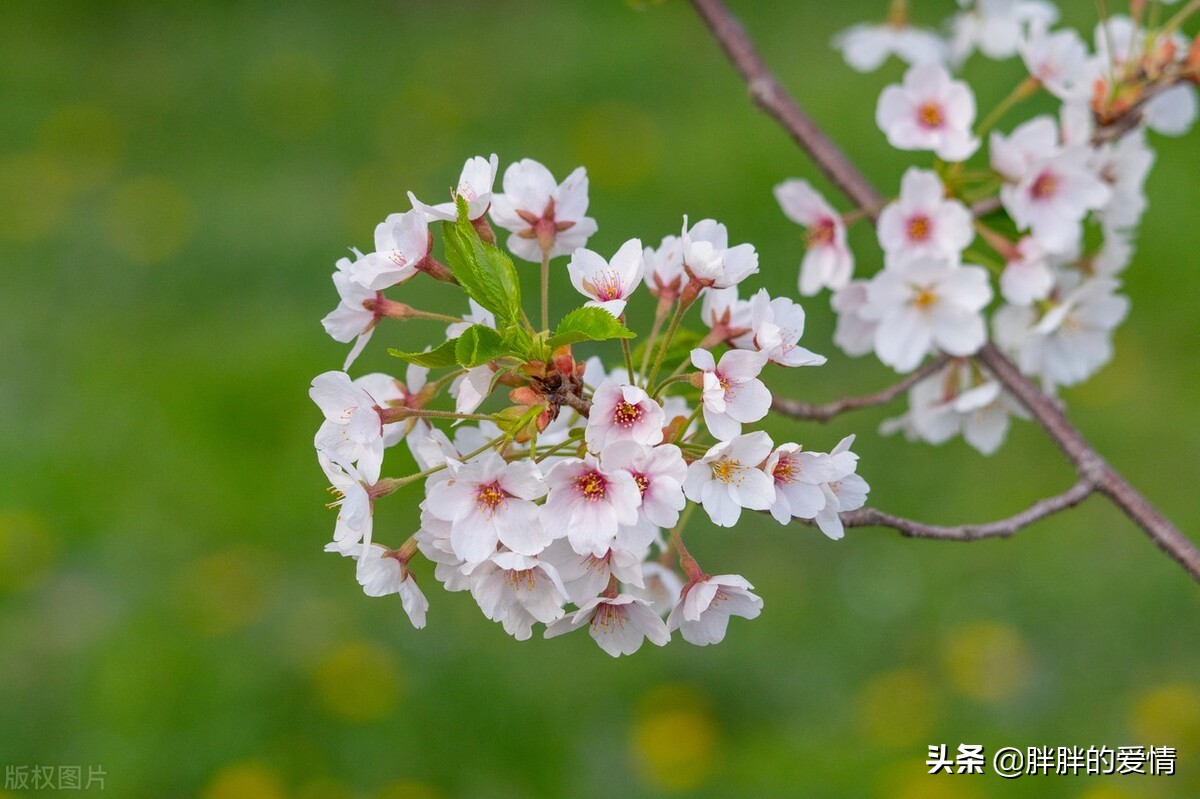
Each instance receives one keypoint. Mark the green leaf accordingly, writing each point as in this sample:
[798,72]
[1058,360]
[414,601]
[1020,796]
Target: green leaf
[588,324]
[518,342]
[436,358]
[477,345]
[485,273]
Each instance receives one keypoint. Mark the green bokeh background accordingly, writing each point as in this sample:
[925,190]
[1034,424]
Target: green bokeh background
[176,181]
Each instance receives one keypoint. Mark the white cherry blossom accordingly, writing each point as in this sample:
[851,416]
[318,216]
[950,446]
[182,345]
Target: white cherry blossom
[708,258]
[828,261]
[474,186]
[623,413]
[541,214]
[728,478]
[355,316]
[706,604]
[380,572]
[926,305]
[489,501]
[352,430]
[591,502]
[929,111]
[866,46]
[351,490]
[401,242]
[618,624]
[731,391]
[776,326]
[846,491]
[608,283]
[659,473]
[798,477]
[923,223]
[518,590]
[854,334]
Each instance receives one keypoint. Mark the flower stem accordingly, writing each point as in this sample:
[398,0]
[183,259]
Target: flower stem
[1024,89]
[628,356]
[686,561]
[390,415]
[660,316]
[545,289]
[691,419]
[666,344]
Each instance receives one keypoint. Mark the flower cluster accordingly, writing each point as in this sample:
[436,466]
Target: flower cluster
[556,488]
[1021,234]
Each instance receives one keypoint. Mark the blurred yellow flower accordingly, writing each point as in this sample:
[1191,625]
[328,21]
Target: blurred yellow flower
[675,738]
[358,682]
[244,781]
[898,708]
[987,660]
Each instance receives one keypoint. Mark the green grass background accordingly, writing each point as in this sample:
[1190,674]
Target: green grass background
[176,181]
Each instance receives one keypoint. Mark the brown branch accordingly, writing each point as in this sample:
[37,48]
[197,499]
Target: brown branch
[823,413]
[771,96]
[1003,528]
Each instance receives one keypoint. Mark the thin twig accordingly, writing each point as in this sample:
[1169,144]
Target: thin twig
[770,95]
[1003,528]
[823,413]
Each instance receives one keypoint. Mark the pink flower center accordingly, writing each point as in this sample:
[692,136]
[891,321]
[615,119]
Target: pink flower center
[627,415]
[821,233]
[521,580]
[785,471]
[398,258]
[930,115]
[609,618]
[605,286]
[488,498]
[920,228]
[643,482]
[727,470]
[1045,187]
[592,486]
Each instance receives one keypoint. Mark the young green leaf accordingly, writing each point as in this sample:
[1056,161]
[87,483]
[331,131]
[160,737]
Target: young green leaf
[485,273]
[440,356]
[477,345]
[588,324]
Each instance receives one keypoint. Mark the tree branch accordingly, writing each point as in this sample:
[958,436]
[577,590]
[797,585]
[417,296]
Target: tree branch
[768,94]
[823,413]
[870,517]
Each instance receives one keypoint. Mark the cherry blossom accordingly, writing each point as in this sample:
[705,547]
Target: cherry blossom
[402,241]
[855,334]
[844,492]
[923,223]
[798,477]
[608,283]
[708,258]
[776,326]
[623,413]
[351,489]
[664,268]
[995,27]
[474,186]
[827,261]
[731,391]
[618,624]
[355,316]
[380,572]
[352,430]
[706,604]
[1073,339]
[542,215]
[518,590]
[865,47]
[929,111]
[591,502]
[728,478]
[488,502]
[927,304]
[659,473]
